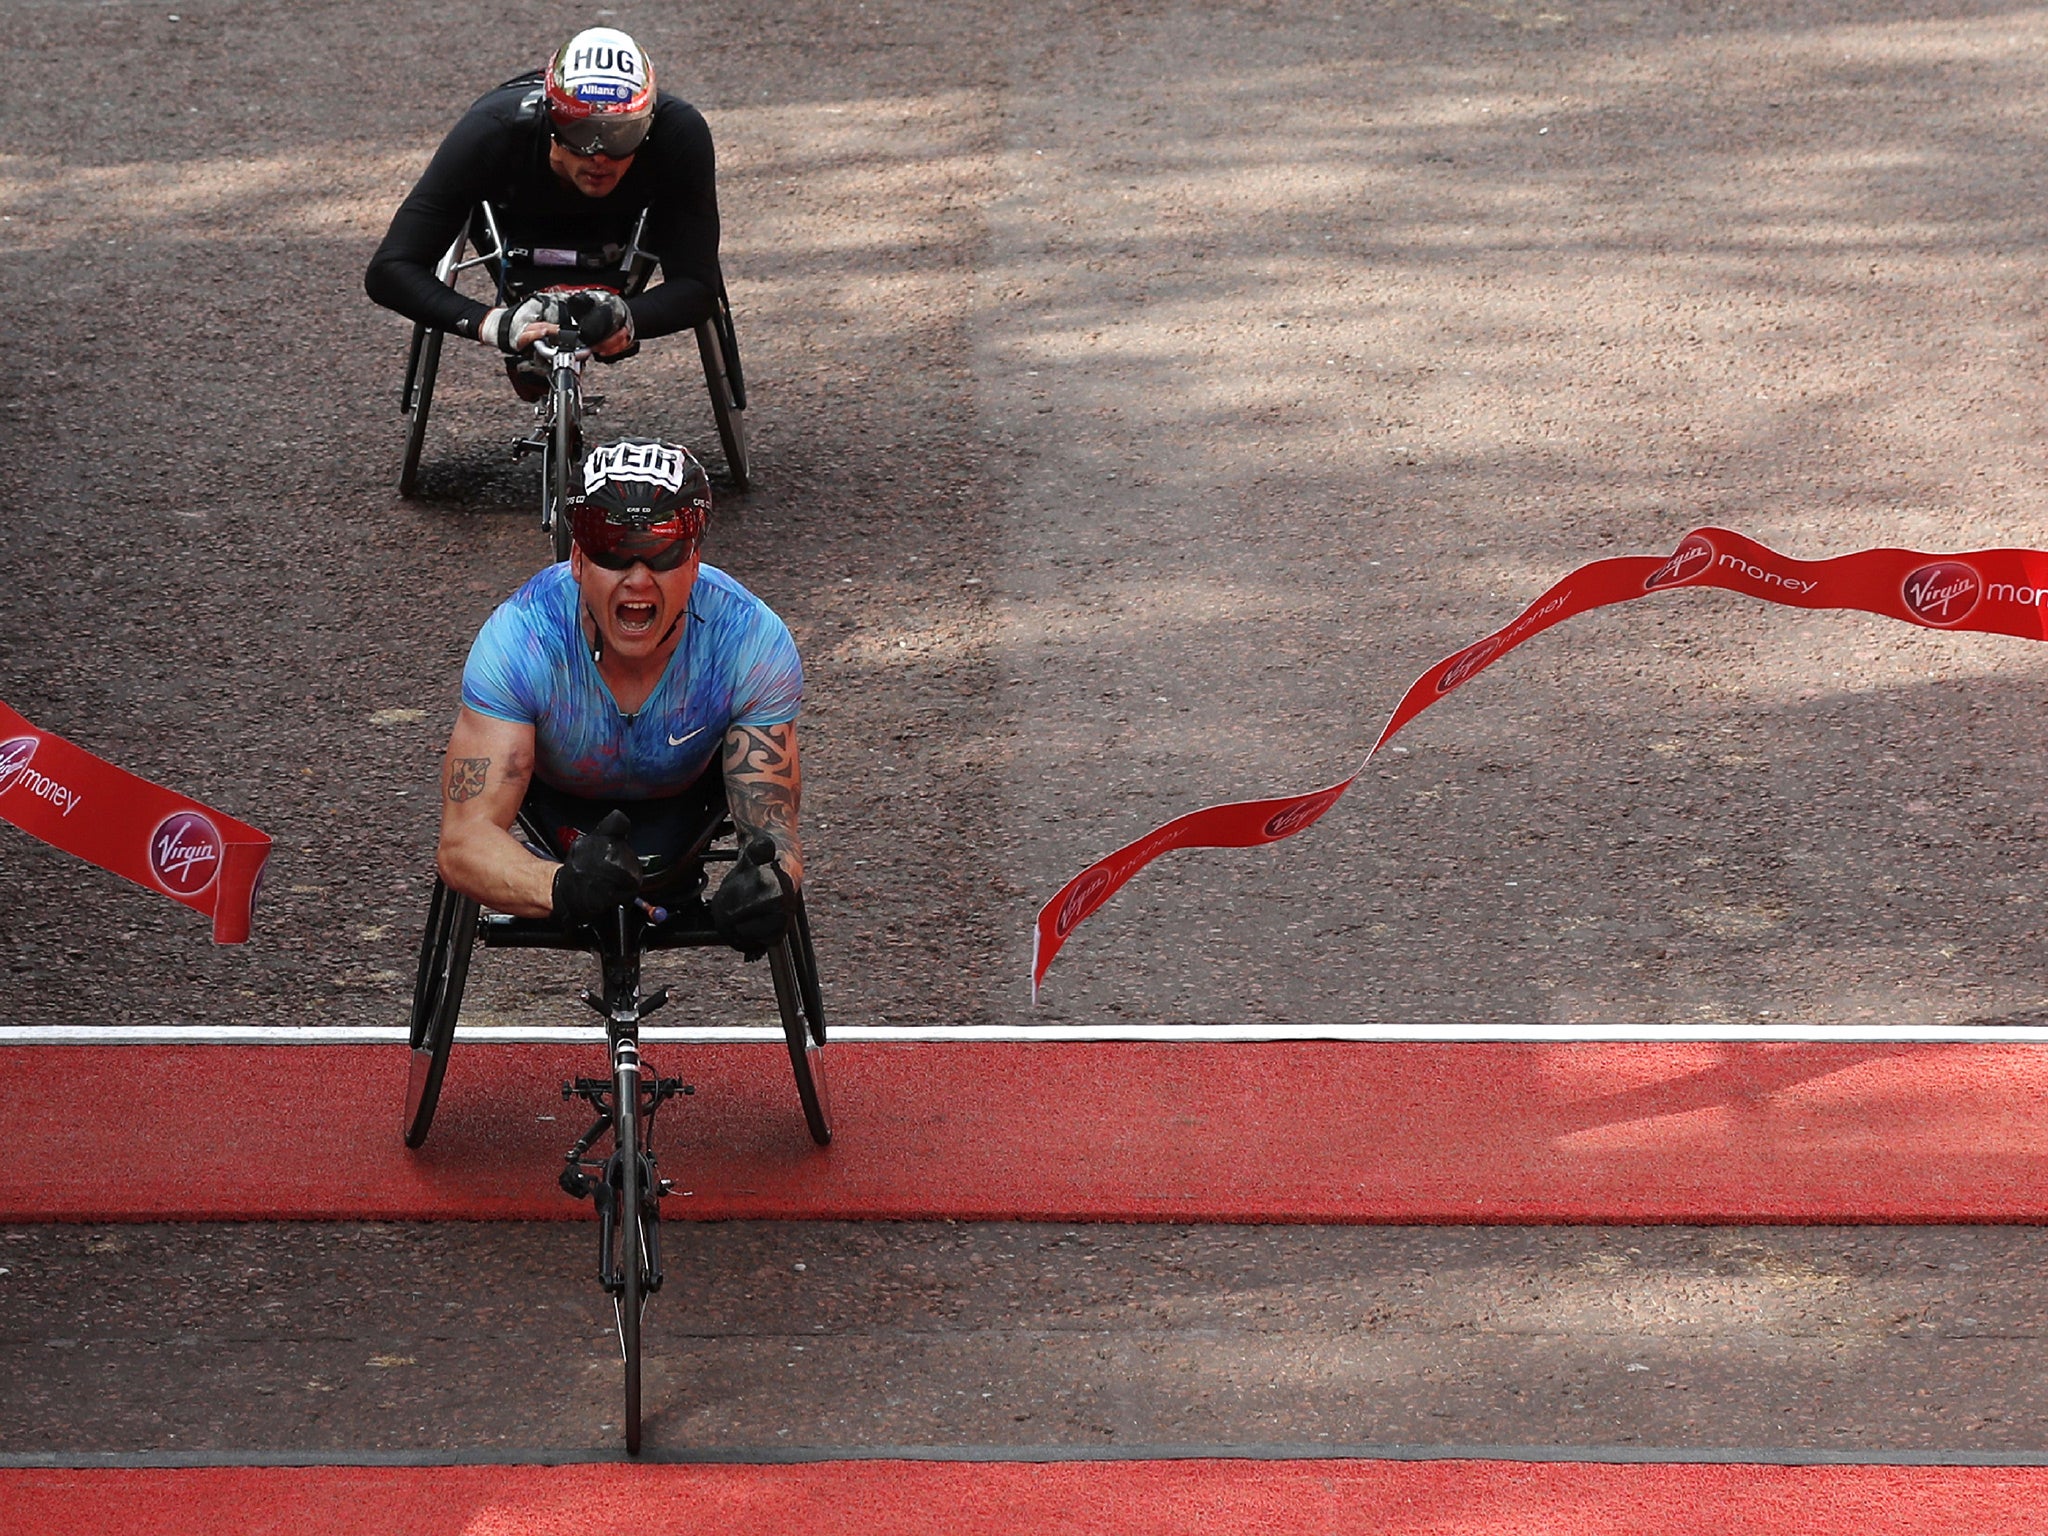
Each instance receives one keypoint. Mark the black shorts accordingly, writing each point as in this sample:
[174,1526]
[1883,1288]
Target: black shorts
[669,834]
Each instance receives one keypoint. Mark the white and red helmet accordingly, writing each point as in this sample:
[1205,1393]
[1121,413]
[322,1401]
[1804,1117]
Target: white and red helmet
[600,94]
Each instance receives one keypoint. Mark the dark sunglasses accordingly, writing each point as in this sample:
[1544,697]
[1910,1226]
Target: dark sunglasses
[615,139]
[667,556]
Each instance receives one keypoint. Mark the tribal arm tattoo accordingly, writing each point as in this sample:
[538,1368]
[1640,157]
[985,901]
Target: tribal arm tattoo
[763,787]
[466,776]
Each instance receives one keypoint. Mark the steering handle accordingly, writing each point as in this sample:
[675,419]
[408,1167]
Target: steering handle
[567,343]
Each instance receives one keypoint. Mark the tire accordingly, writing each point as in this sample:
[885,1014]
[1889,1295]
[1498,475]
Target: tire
[422,364]
[565,451]
[725,407]
[793,994]
[443,972]
[632,1246]
[807,976]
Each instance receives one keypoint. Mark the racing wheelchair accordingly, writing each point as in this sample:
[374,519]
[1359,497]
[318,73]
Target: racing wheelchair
[557,435]
[670,913]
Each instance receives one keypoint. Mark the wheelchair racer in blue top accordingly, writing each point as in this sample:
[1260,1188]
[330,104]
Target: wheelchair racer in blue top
[614,699]
[569,158]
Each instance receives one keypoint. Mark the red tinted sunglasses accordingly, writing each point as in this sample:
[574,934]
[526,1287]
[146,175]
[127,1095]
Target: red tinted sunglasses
[618,546]
[665,555]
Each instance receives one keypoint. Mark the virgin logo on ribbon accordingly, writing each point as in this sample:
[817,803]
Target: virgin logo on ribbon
[1941,591]
[16,753]
[1084,898]
[1943,594]
[1477,657]
[1692,559]
[1290,821]
[184,853]
[161,840]
[1471,661]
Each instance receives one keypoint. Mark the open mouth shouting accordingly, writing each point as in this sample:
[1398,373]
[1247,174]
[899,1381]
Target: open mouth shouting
[633,618]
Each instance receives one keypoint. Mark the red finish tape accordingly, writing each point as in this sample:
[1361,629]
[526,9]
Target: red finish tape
[141,831]
[1988,591]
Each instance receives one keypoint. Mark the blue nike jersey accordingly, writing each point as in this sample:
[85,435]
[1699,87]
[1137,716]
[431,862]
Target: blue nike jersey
[735,664]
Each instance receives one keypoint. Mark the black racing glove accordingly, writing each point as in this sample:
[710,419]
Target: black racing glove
[596,314]
[601,873]
[752,904]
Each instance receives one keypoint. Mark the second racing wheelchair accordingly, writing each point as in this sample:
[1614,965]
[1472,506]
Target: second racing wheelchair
[559,410]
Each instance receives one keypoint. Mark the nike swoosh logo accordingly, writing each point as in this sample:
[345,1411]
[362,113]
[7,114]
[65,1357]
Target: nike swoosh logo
[677,741]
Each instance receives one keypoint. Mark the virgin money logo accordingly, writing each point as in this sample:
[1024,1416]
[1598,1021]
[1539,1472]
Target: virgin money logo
[1295,817]
[15,754]
[1946,592]
[1081,900]
[1469,661]
[1690,559]
[184,853]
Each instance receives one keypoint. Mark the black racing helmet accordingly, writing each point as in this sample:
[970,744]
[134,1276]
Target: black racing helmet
[642,500]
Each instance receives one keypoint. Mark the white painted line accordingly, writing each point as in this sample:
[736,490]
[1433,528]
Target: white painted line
[1069,1034]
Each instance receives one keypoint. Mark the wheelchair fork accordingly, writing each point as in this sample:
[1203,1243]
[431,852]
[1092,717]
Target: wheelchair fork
[599,1179]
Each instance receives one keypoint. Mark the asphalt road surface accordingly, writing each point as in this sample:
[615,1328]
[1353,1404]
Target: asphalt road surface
[1142,394]
[460,1338]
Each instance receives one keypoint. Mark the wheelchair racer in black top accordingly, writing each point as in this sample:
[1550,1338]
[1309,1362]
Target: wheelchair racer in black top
[612,703]
[568,157]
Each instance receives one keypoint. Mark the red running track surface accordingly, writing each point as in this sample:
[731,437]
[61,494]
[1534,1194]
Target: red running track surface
[1294,1132]
[1130,1498]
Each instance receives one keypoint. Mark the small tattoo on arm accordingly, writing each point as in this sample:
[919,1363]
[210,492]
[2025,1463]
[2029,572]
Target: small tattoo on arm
[466,777]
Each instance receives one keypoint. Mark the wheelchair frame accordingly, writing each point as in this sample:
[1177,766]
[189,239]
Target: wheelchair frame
[624,1184]
[717,348]
[456,926]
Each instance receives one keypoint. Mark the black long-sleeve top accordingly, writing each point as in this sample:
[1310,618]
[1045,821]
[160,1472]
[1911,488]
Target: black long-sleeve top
[499,151]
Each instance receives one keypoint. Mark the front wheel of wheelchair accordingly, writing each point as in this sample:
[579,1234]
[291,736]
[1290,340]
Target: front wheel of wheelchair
[422,363]
[445,948]
[565,452]
[633,1214]
[795,969]
[726,409]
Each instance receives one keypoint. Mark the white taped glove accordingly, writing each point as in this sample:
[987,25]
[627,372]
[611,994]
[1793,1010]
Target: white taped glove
[503,327]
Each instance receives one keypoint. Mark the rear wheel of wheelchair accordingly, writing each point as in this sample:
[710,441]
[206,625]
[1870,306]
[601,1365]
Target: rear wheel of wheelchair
[803,1024]
[725,408]
[807,975]
[424,362]
[443,972]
